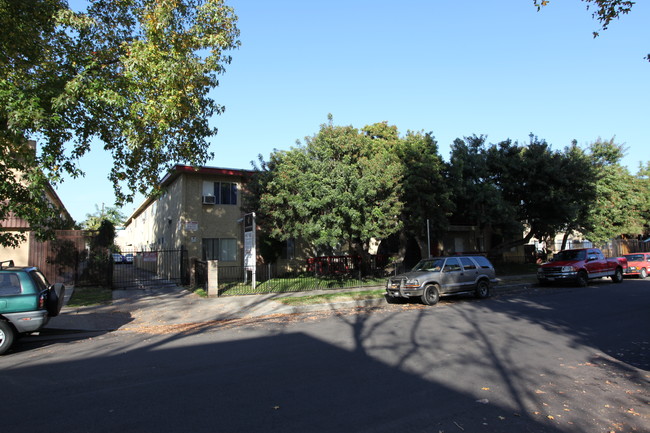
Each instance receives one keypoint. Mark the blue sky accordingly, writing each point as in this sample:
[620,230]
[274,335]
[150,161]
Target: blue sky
[453,68]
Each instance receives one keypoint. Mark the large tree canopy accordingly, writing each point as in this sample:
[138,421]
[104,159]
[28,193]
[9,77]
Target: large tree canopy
[621,203]
[347,186]
[341,187]
[478,199]
[515,188]
[133,75]
[426,193]
[110,213]
[550,189]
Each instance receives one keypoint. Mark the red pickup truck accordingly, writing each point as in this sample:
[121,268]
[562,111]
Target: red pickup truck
[581,265]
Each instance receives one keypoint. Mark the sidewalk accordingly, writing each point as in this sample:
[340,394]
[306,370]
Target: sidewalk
[132,309]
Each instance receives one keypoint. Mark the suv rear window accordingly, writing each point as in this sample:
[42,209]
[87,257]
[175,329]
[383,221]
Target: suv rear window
[40,280]
[9,284]
[482,262]
[468,264]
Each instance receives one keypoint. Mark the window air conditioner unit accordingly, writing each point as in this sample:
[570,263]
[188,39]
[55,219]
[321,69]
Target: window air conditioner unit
[209,199]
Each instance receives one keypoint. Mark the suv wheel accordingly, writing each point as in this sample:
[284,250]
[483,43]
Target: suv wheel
[482,289]
[6,336]
[431,295]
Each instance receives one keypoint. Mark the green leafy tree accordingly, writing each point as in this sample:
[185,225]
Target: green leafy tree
[643,185]
[102,243]
[620,205]
[133,75]
[576,162]
[110,213]
[478,199]
[520,191]
[550,190]
[425,191]
[340,188]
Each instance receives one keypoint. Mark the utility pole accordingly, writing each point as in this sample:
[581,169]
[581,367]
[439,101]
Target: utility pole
[428,240]
[250,253]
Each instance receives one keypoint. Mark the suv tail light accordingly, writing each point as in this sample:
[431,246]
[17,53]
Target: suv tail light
[41,301]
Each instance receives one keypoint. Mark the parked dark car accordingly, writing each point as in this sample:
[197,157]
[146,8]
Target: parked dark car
[441,276]
[118,258]
[27,301]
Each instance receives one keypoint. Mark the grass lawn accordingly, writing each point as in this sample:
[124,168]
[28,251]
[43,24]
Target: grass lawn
[87,296]
[298,284]
[332,297]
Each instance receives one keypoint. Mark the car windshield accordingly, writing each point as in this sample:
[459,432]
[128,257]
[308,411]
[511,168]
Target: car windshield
[634,257]
[429,265]
[570,255]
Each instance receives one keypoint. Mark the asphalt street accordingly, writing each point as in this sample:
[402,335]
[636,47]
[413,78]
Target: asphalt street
[557,360]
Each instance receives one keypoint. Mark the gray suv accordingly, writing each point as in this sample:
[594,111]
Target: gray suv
[440,276]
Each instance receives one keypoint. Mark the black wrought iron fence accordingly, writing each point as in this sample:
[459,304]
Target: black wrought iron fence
[149,269]
[238,280]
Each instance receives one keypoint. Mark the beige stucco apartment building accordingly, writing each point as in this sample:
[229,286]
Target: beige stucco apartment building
[199,210]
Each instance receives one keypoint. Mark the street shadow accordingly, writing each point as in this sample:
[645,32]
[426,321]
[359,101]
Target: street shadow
[612,341]
[601,325]
[70,326]
[285,383]
[386,373]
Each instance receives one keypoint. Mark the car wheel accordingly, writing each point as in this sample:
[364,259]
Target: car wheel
[618,276]
[643,274]
[431,295]
[482,289]
[582,280]
[6,336]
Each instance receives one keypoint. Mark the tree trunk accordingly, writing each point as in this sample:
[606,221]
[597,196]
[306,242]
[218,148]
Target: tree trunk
[401,251]
[424,248]
[565,239]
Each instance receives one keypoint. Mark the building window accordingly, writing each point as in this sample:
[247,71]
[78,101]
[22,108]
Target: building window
[220,249]
[223,192]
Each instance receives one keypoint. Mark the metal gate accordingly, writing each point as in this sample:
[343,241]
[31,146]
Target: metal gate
[150,270]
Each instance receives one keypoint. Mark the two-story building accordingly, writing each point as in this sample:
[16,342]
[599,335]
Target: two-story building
[199,209]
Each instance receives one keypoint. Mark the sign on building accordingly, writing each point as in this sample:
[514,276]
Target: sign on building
[249,241]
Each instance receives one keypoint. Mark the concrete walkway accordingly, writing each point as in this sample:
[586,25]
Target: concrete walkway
[134,310]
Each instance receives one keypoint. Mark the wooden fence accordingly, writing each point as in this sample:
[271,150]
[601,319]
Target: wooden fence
[59,260]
